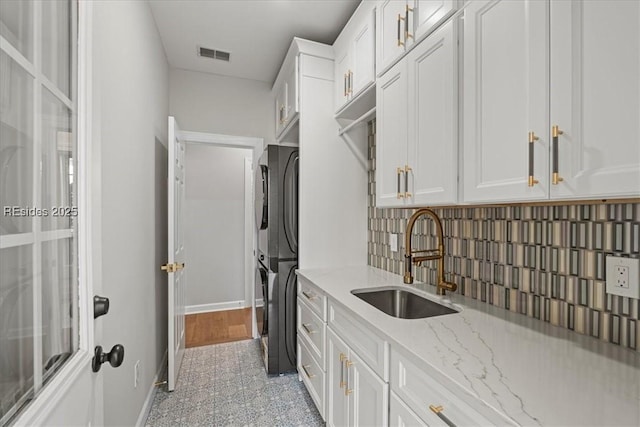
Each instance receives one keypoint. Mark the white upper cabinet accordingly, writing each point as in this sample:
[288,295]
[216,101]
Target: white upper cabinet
[286,97]
[391,136]
[292,93]
[402,23]
[433,124]
[505,98]
[416,144]
[431,13]
[342,66]
[354,52]
[589,147]
[392,32]
[595,98]
[280,107]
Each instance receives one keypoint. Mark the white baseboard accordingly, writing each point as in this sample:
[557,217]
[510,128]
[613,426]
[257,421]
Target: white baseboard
[219,306]
[146,408]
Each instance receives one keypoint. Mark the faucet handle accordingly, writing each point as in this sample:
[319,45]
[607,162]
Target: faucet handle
[446,286]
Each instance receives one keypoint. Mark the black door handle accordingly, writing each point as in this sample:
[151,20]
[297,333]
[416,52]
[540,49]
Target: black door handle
[100,306]
[114,357]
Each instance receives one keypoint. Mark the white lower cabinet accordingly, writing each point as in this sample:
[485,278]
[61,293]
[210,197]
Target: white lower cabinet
[311,327]
[312,374]
[432,400]
[356,396]
[400,415]
[356,378]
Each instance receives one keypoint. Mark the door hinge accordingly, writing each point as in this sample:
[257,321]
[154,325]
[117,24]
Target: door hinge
[172,268]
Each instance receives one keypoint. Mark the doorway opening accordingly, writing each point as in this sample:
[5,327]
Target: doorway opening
[219,224]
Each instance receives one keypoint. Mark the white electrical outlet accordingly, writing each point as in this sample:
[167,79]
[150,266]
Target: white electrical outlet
[623,276]
[136,374]
[393,242]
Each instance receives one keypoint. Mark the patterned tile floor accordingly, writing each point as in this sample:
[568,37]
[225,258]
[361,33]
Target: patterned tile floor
[226,384]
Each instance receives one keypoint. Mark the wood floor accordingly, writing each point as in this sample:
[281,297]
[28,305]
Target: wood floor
[217,327]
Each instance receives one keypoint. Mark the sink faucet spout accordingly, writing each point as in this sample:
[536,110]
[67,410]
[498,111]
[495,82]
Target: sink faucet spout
[411,256]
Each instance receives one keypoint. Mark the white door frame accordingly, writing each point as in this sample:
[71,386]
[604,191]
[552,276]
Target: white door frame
[250,237]
[55,402]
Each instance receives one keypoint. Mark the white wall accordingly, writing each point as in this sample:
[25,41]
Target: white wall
[214,218]
[219,104]
[132,104]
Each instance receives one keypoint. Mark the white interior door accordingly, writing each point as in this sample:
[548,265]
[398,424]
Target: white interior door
[175,265]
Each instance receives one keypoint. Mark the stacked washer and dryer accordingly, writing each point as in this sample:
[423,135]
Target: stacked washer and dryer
[276,204]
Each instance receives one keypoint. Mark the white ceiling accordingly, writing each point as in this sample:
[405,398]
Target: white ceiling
[256,32]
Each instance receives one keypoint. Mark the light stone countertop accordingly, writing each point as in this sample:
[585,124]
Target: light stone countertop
[530,371]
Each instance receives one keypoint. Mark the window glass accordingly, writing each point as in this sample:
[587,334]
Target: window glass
[16,25]
[16,145]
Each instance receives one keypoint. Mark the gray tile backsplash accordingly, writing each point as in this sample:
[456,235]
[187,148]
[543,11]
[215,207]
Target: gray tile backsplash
[545,262]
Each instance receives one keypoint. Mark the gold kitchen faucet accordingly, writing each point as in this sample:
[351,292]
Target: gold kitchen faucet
[427,254]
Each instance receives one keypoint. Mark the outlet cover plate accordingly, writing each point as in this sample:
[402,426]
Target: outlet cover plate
[616,287]
[393,242]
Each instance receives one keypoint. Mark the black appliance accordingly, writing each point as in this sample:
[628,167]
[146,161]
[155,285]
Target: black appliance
[276,204]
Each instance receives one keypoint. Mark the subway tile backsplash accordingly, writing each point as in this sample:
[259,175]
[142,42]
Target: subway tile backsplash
[545,262]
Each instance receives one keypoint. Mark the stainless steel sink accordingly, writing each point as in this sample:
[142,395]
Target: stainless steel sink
[399,302]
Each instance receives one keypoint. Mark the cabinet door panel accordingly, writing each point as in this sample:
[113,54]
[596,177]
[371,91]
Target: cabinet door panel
[595,97]
[281,101]
[369,399]
[312,374]
[430,13]
[506,97]
[387,46]
[419,386]
[433,115]
[337,410]
[364,54]
[391,131]
[292,93]
[342,68]
[400,415]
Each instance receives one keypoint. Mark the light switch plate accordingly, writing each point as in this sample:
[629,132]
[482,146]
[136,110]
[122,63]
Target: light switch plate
[393,242]
[623,276]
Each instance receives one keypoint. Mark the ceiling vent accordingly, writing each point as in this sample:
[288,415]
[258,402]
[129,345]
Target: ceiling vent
[214,54]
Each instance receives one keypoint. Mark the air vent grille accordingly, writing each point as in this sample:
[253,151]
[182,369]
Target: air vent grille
[214,54]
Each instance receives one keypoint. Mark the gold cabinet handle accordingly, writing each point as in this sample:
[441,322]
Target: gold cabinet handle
[308,329]
[306,368]
[400,18]
[399,171]
[309,295]
[532,138]
[343,357]
[350,82]
[555,177]
[407,169]
[346,91]
[407,34]
[438,411]
[347,390]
